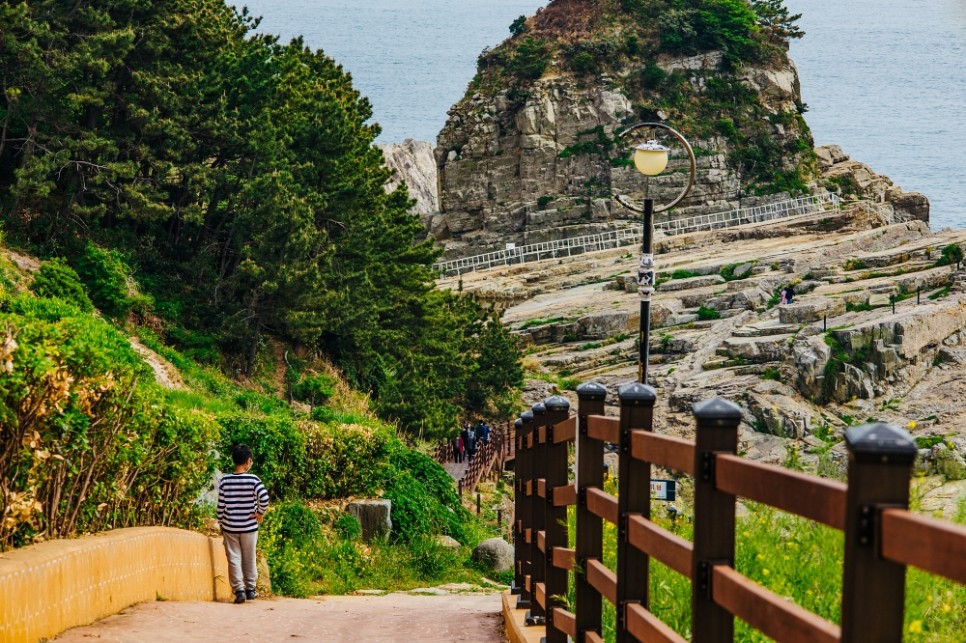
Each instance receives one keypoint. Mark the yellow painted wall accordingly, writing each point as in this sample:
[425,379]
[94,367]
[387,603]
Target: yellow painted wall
[51,587]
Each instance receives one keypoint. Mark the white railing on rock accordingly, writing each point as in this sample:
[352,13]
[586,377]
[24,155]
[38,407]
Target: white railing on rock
[811,204]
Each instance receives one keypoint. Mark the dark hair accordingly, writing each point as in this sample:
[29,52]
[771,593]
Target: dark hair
[240,454]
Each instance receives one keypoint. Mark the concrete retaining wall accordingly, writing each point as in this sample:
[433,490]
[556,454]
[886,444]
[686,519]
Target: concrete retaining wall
[51,587]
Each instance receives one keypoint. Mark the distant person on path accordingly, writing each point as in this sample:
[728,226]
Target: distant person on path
[242,502]
[455,446]
[483,433]
[789,294]
[784,299]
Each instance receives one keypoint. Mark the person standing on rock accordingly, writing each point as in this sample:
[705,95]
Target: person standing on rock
[242,502]
[789,294]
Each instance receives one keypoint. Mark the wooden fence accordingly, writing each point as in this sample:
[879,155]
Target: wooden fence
[881,536]
[488,461]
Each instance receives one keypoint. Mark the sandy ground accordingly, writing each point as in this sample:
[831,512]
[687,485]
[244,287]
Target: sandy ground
[401,618]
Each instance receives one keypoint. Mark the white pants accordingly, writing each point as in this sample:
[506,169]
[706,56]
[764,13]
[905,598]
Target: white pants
[240,549]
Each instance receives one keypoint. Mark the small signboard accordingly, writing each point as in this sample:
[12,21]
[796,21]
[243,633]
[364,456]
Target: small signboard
[663,490]
[511,246]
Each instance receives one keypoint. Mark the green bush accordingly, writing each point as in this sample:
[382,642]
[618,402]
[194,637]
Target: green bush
[106,276]
[348,527]
[278,449]
[345,460]
[423,499]
[58,280]
[292,522]
[708,313]
[73,388]
[584,64]
[314,388]
[951,254]
[530,59]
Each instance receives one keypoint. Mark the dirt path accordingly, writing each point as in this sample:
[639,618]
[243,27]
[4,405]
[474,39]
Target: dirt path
[393,618]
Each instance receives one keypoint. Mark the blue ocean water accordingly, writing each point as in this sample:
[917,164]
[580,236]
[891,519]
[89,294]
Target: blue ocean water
[412,59]
[884,80]
[887,82]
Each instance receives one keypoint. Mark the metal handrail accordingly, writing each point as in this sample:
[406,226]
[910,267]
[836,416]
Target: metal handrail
[632,234]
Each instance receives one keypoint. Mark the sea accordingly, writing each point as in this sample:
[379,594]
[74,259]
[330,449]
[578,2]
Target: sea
[883,80]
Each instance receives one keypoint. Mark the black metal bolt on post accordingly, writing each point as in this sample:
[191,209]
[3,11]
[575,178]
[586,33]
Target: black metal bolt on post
[892,298]
[918,293]
[824,322]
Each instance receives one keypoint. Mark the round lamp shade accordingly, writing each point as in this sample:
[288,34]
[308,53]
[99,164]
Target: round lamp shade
[650,158]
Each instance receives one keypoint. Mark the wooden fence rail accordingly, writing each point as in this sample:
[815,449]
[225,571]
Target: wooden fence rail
[881,536]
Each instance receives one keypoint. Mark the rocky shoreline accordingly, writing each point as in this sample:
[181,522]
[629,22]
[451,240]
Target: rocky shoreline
[803,372]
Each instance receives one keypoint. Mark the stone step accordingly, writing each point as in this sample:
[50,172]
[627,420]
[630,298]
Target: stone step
[765,329]
[770,348]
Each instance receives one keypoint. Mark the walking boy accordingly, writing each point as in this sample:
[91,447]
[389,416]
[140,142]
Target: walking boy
[242,501]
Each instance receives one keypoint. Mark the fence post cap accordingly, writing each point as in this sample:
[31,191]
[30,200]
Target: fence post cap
[556,403]
[880,442]
[717,410]
[518,422]
[527,416]
[591,391]
[637,394]
[538,408]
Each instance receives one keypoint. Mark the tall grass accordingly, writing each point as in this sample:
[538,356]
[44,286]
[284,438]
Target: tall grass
[796,558]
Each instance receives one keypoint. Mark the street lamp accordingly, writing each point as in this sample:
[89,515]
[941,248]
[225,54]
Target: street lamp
[650,159]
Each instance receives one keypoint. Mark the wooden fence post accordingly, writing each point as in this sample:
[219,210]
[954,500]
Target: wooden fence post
[558,410]
[873,588]
[515,517]
[590,534]
[523,508]
[714,518]
[633,497]
[538,513]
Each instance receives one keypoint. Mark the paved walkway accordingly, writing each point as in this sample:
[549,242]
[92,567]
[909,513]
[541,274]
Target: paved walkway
[456,469]
[394,618]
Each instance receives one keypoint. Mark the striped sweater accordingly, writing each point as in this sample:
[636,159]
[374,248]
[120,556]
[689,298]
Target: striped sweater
[240,497]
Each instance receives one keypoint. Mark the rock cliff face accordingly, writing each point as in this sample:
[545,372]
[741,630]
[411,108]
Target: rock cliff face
[531,159]
[413,162]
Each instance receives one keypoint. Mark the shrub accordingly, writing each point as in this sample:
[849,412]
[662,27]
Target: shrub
[950,254]
[314,388]
[278,449]
[584,63]
[708,313]
[345,460]
[106,276]
[348,527]
[90,445]
[518,26]
[293,522]
[424,501]
[58,280]
[530,59]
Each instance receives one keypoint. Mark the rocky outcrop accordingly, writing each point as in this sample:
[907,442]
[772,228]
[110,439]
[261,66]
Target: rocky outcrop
[412,162]
[527,159]
[854,180]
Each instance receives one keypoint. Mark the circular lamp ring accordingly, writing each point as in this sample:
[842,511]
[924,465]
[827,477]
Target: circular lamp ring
[627,203]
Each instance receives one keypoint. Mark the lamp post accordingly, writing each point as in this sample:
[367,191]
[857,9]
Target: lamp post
[650,159]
